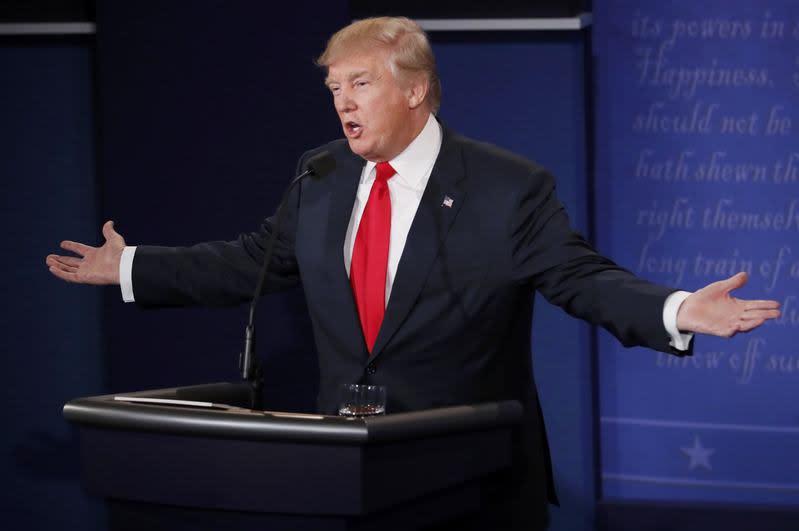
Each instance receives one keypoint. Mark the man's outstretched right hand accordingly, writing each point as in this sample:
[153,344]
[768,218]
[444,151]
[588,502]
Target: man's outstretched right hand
[93,265]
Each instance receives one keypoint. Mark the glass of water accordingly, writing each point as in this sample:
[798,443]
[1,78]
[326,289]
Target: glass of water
[357,400]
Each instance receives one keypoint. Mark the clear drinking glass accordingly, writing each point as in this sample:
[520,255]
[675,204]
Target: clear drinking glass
[357,400]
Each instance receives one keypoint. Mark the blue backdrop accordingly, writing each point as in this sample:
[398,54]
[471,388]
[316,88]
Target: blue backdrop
[52,341]
[698,178]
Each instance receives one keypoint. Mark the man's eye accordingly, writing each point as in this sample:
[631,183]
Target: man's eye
[361,83]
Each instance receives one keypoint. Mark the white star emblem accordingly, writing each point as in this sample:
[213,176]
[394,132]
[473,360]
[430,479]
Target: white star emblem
[700,456]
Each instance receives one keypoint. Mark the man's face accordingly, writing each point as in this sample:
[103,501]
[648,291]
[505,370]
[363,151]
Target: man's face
[373,107]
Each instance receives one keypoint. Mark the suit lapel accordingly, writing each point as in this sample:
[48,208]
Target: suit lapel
[441,201]
[344,188]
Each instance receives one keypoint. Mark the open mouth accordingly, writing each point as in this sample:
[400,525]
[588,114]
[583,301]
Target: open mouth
[352,129]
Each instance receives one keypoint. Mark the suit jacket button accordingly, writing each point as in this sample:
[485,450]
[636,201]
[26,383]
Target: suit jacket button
[371,368]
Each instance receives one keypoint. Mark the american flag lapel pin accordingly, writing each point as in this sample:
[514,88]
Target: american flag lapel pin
[447,201]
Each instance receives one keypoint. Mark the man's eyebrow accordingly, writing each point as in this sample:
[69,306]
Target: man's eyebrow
[350,76]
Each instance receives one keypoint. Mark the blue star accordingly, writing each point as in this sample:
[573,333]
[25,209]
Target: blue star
[699,455]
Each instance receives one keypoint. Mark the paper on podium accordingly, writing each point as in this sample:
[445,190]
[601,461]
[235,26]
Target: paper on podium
[172,402]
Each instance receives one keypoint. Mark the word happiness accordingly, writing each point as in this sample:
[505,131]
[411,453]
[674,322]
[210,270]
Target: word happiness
[661,37]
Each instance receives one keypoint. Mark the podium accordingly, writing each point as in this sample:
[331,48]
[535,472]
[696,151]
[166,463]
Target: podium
[197,458]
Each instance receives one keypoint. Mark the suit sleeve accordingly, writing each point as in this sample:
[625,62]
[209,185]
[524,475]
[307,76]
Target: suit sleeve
[569,273]
[219,273]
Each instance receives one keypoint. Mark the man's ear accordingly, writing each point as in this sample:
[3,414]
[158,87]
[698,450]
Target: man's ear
[417,92]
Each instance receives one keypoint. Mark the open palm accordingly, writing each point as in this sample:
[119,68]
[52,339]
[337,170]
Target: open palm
[93,265]
[713,310]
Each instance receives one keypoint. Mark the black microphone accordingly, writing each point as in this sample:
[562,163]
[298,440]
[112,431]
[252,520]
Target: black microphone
[317,167]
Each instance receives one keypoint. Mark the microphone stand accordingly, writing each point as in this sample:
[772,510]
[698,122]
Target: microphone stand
[251,372]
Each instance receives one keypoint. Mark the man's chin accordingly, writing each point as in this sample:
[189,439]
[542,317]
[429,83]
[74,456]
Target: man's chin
[357,146]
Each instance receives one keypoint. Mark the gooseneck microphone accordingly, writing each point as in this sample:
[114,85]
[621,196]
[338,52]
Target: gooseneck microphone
[318,166]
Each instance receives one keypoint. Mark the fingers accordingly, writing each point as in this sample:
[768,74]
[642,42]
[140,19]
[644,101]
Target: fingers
[760,305]
[734,282]
[753,318]
[69,264]
[112,236]
[108,230]
[64,275]
[761,315]
[77,248]
[747,326]
[67,261]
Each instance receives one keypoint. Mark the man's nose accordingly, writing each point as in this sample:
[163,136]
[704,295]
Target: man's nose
[344,102]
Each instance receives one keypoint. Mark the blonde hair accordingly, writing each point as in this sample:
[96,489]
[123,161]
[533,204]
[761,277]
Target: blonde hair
[409,50]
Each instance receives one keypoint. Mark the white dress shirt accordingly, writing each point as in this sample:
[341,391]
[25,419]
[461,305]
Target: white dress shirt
[413,167]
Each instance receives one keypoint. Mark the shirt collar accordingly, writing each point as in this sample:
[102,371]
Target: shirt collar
[413,164]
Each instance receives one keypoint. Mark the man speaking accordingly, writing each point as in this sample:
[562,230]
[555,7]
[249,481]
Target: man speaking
[419,255]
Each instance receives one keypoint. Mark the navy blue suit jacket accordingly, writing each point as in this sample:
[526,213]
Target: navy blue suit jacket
[458,323]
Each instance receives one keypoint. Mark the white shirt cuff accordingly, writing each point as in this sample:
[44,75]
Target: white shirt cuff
[679,340]
[126,273]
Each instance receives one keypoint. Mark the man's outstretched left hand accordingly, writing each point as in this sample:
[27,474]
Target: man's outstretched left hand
[713,310]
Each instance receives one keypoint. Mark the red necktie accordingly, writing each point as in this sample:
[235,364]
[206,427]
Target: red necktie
[370,256]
